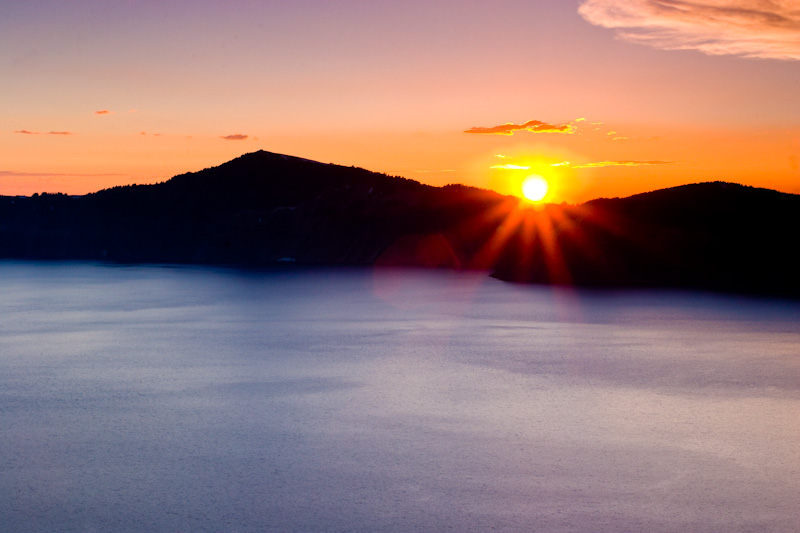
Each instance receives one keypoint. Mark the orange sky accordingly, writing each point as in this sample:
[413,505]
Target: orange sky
[602,98]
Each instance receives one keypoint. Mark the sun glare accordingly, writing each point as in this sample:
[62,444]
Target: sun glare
[534,188]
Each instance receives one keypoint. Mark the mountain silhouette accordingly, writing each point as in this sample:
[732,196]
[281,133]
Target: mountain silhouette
[716,236]
[257,209]
[263,208]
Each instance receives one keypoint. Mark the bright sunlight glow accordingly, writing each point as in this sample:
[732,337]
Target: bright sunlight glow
[534,188]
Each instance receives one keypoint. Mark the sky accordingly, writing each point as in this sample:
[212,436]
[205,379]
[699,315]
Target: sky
[603,98]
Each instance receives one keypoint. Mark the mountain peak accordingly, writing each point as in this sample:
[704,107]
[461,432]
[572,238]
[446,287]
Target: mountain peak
[265,155]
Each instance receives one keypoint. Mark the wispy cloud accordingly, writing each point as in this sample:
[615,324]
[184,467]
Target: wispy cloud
[15,174]
[567,164]
[26,132]
[623,164]
[535,126]
[103,112]
[749,28]
[234,137]
[435,171]
[511,167]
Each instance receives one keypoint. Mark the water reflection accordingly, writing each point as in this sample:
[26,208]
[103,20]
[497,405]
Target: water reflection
[154,399]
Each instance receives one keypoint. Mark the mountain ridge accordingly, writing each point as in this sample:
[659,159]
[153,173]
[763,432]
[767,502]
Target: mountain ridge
[262,207]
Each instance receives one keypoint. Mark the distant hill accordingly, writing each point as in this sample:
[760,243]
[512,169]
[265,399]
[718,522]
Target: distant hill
[257,209]
[715,236]
[263,208]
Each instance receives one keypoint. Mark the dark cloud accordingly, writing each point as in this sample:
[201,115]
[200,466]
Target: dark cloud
[749,28]
[26,132]
[102,112]
[536,126]
[234,137]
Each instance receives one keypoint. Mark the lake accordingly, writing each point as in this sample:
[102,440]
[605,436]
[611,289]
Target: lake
[157,398]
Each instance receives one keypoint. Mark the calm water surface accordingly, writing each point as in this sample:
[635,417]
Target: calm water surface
[189,399]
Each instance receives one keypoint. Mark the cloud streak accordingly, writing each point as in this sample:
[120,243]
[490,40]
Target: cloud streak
[748,28]
[14,174]
[234,137]
[401,172]
[596,164]
[535,126]
[511,167]
[623,164]
[26,132]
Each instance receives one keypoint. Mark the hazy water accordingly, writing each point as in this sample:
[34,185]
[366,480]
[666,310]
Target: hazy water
[183,399]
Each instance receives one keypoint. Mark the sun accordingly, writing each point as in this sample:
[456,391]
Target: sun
[534,188]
